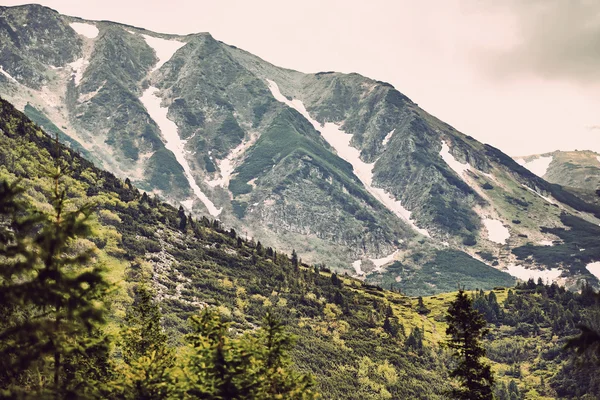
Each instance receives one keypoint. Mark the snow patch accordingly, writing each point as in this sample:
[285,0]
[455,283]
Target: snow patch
[547,275]
[187,204]
[174,143]
[340,141]
[594,269]
[227,165]
[164,49]
[598,157]
[546,243]
[6,74]
[88,96]
[549,200]
[387,137]
[88,30]
[539,166]
[380,262]
[497,232]
[452,162]
[356,265]
[78,67]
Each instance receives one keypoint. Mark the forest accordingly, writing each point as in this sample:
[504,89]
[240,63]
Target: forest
[109,292]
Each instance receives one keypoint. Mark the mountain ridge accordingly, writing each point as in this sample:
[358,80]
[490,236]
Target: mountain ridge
[266,167]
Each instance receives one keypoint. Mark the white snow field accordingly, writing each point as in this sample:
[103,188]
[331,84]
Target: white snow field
[452,162]
[594,269]
[6,74]
[546,243]
[78,66]
[163,48]
[539,166]
[88,30]
[497,232]
[340,141]
[380,262]
[174,143]
[387,137]
[524,274]
[227,165]
[598,157]
[356,265]
[548,199]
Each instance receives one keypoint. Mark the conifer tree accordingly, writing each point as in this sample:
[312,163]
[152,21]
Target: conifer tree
[149,361]
[244,367]
[55,333]
[281,381]
[421,308]
[466,328]
[414,340]
[183,220]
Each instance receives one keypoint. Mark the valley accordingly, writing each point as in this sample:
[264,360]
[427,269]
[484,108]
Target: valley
[322,222]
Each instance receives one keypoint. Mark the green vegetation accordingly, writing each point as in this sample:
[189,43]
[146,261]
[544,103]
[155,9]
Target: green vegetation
[165,173]
[192,288]
[39,118]
[444,272]
[52,297]
[289,134]
[466,328]
[579,247]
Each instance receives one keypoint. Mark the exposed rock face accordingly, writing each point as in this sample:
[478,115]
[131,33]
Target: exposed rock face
[274,167]
[32,39]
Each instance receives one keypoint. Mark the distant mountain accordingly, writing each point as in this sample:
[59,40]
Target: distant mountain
[345,169]
[576,169]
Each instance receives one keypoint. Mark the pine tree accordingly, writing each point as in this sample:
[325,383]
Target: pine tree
[149,361]
[421,308]
[183,220]
[588,340]
[414,341]
[55,334]
[244,367]
[466,328]
[281,381]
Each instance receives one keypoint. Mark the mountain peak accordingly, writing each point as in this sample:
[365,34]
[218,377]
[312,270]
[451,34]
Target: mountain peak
[344,167]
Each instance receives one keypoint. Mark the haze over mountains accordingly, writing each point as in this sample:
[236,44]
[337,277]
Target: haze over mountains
[344,169]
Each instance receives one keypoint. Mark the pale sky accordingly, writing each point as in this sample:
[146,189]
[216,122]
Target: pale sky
[522,75]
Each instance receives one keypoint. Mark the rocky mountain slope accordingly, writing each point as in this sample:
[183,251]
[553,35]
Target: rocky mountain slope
[576,169]
[358,340]
[343,168]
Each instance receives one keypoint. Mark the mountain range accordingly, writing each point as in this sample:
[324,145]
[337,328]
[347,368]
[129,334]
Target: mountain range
[356,339]
[344,169]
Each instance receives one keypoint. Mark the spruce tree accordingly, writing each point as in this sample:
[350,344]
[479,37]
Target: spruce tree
[53,292]
[149,361]
[250,366]
[183,219]
[466,328]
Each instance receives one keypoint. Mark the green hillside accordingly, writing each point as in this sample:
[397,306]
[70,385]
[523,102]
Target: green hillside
[358,341]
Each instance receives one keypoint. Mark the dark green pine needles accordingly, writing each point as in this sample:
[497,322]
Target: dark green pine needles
[466,328]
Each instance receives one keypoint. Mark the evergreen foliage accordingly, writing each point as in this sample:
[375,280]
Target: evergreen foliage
[52,293]
[148,361]
[349,335]
[245,367]
[466,328]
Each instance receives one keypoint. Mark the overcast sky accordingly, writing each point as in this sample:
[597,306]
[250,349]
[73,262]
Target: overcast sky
[522,75]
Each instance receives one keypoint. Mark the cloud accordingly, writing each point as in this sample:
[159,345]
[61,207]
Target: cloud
[555,39]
